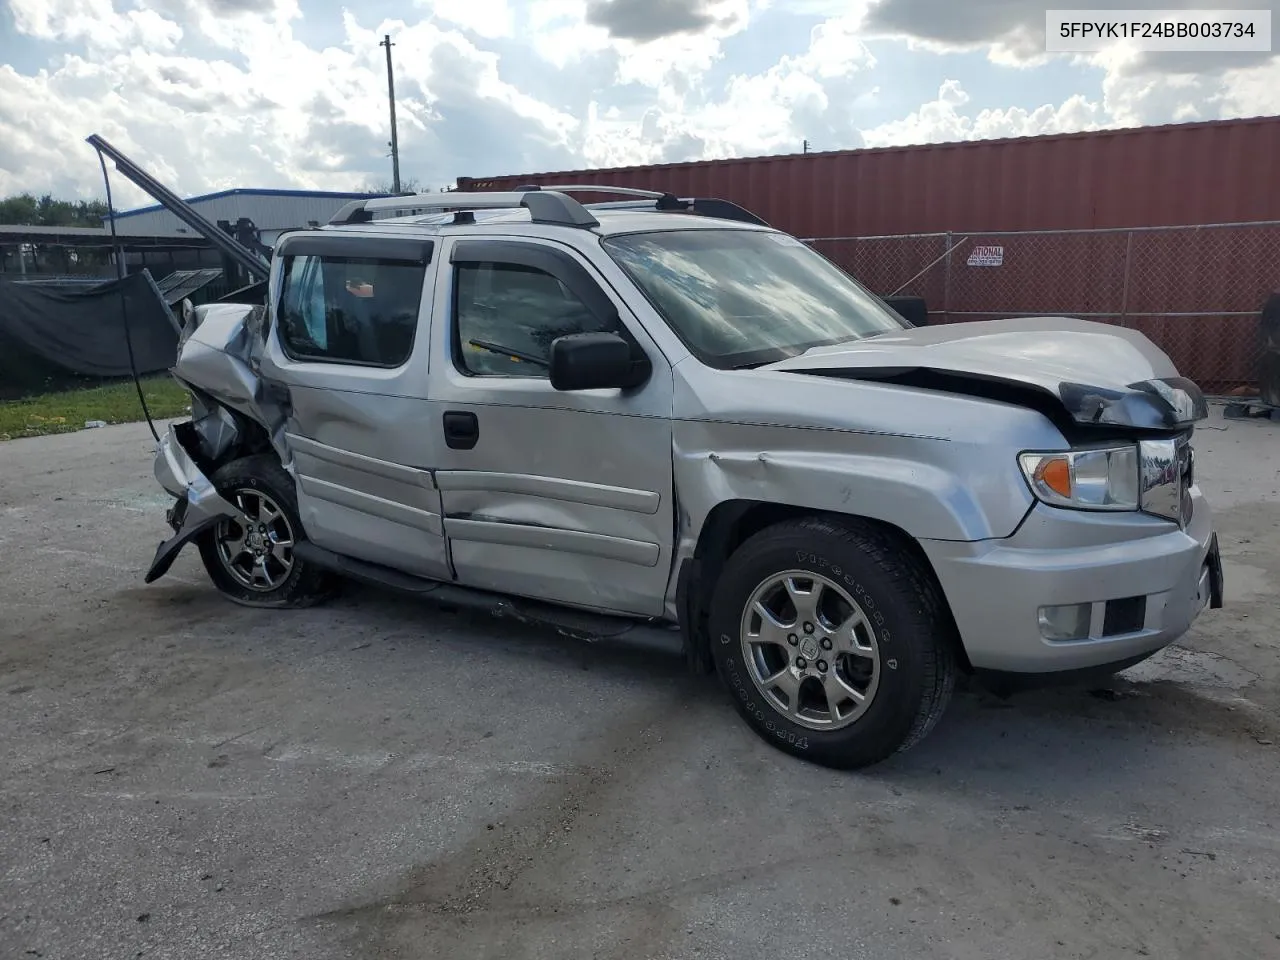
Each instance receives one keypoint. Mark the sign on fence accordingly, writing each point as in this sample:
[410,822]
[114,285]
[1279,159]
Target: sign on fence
[986,257]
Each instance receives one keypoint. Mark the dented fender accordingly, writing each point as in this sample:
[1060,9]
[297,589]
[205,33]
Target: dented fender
[199,505]
[221,354]
[935,466]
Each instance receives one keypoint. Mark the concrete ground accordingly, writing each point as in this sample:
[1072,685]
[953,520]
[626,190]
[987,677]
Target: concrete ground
[183,778]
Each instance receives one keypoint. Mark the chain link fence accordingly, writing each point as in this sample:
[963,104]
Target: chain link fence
[1196,291]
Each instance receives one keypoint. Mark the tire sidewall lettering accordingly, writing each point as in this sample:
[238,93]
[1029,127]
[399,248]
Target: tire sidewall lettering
[884,636]
[763,715]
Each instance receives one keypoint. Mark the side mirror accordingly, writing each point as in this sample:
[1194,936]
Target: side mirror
[596,361]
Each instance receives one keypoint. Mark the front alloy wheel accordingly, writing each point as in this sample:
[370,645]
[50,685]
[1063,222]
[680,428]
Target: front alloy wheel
[810,650]
[833,639]
[250,557]
[256,548]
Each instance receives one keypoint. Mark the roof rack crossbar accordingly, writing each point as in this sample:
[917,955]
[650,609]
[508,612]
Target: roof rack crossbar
[701,206]
[665,200]
[544,206]
[603,188]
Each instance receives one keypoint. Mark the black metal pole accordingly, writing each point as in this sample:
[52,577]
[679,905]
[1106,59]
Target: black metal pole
[395,140]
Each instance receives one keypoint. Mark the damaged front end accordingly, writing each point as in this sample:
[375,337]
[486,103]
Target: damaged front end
[198,505]
[235,412]
[1084,375]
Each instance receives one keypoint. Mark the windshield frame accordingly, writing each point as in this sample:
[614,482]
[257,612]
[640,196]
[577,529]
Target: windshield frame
[750,358]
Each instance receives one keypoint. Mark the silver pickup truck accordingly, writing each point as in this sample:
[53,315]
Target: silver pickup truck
[661,414]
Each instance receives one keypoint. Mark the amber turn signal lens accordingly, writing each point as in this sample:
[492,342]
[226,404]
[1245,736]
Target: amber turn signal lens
[1055,473]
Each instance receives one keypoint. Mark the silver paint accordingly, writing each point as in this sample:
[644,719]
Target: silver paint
[592,500]
[177,472]
[1100,373]
[1064,556]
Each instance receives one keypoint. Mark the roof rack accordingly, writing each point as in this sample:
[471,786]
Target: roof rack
[544,205]
[700,206]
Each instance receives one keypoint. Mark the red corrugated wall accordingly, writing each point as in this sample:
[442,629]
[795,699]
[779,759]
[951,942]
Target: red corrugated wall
[1217,172]
[1181,174]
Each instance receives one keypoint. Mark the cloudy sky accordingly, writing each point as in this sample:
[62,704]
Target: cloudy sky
[210,94]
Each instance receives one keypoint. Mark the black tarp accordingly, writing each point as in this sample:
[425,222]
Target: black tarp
[1269,359]
[58,336]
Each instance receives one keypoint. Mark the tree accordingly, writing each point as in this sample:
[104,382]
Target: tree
[412,185]
[25,209]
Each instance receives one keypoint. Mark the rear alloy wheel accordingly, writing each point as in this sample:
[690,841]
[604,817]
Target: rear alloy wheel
[250,557]
[833,640]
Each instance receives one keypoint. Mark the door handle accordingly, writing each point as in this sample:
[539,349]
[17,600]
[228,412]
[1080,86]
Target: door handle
[461,429]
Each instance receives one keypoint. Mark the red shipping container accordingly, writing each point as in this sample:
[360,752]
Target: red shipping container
[1222,171]
[1195,292]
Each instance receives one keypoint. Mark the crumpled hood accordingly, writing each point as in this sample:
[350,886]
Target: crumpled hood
[1101,374]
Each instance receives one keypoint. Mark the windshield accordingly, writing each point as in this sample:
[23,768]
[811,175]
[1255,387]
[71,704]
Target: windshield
[741,298]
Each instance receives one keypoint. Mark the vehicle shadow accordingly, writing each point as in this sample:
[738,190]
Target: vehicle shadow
[1121,729]
[981,730]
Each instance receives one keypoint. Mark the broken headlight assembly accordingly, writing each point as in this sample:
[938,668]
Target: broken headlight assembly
[1153,476]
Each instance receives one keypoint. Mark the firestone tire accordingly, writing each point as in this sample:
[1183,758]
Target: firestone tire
[899,653]
[263,572]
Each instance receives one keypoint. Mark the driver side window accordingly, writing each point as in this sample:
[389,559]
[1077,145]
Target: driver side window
[506,316]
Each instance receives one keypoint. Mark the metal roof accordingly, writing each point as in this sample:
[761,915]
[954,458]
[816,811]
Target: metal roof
[183,283]
[254,192]
[25,233]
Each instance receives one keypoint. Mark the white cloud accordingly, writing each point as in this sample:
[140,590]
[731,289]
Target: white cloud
[488,18]
[267,109]
[271,112]
[944,119]
[1012,31]
[94,23]
[1251,92]
[805,96]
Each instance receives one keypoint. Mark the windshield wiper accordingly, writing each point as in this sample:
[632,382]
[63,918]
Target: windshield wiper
[508,352]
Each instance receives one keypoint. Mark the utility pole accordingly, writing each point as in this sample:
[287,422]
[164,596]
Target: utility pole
[395,140]
[805,148]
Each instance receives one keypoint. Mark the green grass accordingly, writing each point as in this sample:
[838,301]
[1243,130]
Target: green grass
[66,412]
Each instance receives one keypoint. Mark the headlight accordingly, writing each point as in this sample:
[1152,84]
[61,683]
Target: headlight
[1100,478]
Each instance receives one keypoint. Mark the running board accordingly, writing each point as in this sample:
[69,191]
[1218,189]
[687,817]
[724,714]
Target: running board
[580,624]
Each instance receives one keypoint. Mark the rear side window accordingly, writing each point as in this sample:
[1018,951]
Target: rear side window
[350,309]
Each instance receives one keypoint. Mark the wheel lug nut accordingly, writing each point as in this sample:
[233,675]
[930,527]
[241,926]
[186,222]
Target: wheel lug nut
[822,666]
[808,628]
[826,643]
[801,663]
[792,639]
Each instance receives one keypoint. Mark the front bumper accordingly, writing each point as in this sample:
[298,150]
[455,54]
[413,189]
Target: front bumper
[1146,580]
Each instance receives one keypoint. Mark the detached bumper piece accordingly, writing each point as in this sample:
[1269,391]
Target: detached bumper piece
[198,508]
[1217,581]
[168,550]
